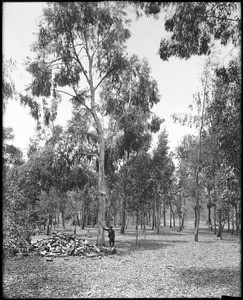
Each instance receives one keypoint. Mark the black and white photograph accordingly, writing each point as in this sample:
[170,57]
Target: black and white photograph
[121,149]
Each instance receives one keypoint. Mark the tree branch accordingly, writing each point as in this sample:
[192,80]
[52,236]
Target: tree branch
[51,62]
[78,60]
[64,93]
[107,73]
[78,97]
[212,8]
[115,130]
[221,18]
[99,42]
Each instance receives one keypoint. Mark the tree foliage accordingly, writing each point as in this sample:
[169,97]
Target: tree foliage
[224,113]
[194,26]
[12,155]
[8,86]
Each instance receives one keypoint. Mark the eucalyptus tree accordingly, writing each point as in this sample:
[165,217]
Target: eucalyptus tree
[191,181]
[182,188]
[136,92]
[135,185]
[161,174]
[52,170]
[193,28]
[15,206]
[223,115]
[73,163]
[18,221]
[198,119]
[211,159]
[79,45]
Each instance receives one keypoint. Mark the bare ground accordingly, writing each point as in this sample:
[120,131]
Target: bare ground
[168,265]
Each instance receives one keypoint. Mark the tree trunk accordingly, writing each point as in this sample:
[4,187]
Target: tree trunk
[228,222]
[137,228]
[144,226]
[63,218]
[75,225]
[101,182]
[83,221]
[153,217]
[164,213]
[220,225]
[144,220]
[209,215]
[197,208]
[102,190]
[179,213]
[49,220]
[236,221]
[195,219]
[239,214]
[199,163]
[149,217]
[158,214]
[48,227]
[141,219]
[123,217]
[233,221]
[179,222]
[55,220]
[182,221]
[209,218]
[197,224]
[86,220]
[170,216]
[214,219]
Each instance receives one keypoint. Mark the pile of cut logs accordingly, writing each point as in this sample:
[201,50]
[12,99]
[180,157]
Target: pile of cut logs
[62,245]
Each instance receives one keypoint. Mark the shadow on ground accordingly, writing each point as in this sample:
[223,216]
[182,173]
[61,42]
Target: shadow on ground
[128,247]
[207,277]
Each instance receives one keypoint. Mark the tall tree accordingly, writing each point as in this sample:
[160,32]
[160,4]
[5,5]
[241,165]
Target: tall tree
[135,185]
[199,120]
[224,113]
[224,121]
[189,179]
[80,44]
[135,91]
[162,172]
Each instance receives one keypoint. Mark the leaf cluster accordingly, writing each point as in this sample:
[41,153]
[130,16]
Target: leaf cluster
[194,25]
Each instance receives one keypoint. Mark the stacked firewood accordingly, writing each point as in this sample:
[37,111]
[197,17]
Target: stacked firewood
[62,245]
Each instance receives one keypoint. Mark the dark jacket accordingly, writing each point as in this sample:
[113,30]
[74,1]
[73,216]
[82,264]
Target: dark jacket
[111,233]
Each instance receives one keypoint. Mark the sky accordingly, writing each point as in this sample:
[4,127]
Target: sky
[177,79]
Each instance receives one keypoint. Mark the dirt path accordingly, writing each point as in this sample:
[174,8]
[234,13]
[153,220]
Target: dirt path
[167,265]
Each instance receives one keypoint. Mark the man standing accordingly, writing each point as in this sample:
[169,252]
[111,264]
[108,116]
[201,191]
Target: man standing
[111,235]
